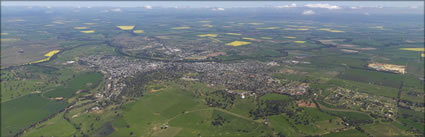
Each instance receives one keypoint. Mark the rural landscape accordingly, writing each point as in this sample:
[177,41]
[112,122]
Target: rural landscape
[292,70]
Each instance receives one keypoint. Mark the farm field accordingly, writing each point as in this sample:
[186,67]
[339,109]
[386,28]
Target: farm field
[292,69]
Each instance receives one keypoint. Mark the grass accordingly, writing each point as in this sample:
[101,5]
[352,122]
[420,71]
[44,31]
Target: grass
[186,115]
[156,109]
[355,117]
[243,106]
[275,96]
[22,112]
[319,123]
[81,51]
[385,129]
[32,79]
[364,87]
[378,78]
[84,81]
[348,133]
[57,126]
[281,124]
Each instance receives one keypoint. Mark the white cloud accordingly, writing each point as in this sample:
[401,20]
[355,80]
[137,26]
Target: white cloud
[218,9]
[324,6]
[308,12]
[293,5]
[147,7]
[116,10]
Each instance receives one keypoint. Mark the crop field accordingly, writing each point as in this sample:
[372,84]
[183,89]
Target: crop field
[183,114]
[22,112]
[79,82]
[179,72]
[55,126]
[348,133]
[384,129]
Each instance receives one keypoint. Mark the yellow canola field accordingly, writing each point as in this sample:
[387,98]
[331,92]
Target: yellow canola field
[81,27]
[246,38]
[300,42]
[423,55]
[299,29]
[331,30]
[87,31]
[208,35]
[4,33]
[378,27]
[269,28]
[238,43]
[266,38]
[208,25]
[126,27]
[289,37]
[9,40]
[236,34]
[59,22]
[89,23]
[181,28]
[413,49]
[138,31]
[49,55]
[255,23]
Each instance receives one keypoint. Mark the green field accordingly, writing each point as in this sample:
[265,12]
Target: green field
[24,111]
[54,127]
[248,92]
[348,133]
[185,115]
[83,81]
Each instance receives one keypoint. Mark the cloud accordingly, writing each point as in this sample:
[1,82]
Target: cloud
[218,9]
[323,6]
[293,5]
[116,10]
[308,12]
[147,7]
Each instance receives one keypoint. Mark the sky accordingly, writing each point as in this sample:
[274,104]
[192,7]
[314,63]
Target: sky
[201,4]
